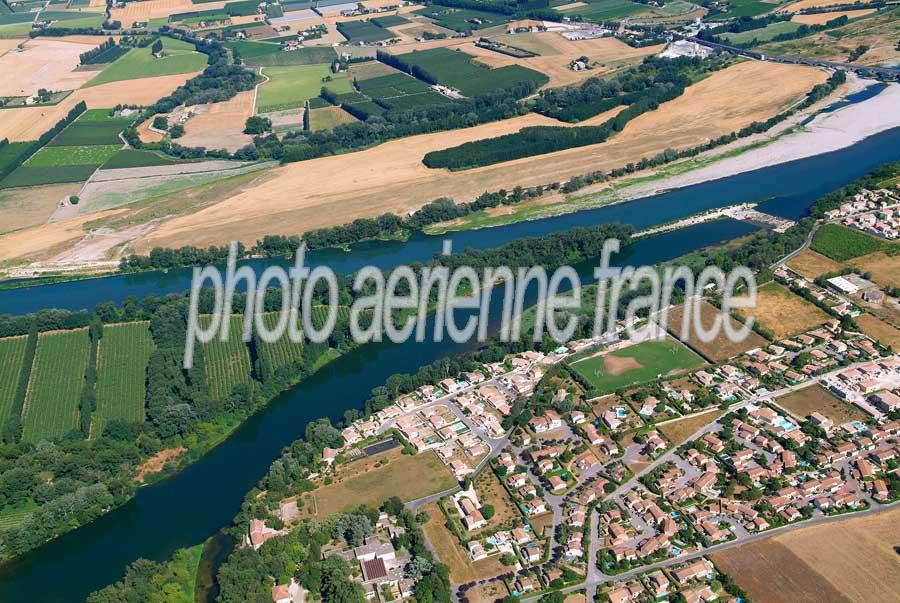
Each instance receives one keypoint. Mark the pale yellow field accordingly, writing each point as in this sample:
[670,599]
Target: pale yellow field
[811,264]
[885,333]
[821,18]
[790,8]
[391,176]
[46,63]
[782,312]
[220,125]
[29,123]
[885,268]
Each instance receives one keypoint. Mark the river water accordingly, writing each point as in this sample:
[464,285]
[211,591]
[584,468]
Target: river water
[189,507]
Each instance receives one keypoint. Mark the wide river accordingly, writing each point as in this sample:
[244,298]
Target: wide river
[189,507]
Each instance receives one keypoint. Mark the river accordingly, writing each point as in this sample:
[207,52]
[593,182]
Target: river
[189,507]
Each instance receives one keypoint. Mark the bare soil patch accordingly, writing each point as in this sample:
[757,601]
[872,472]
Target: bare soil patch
[156,463]
[619,365]
[847,561]
[679,431]
[790,8]
[811,264]
[450,552]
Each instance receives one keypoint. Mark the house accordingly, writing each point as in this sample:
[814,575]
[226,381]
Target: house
[658,584]
[885,401]
[524,585]
[699,570]
[282,594]
[259,533]
[329,455]
[821,421]
[557,483]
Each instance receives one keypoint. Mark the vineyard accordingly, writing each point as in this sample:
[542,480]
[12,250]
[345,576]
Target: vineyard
[121,366]
[12,352]
[283,351]
[227,363]
[51,407]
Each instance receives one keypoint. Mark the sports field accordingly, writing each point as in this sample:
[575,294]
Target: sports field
[290,87]
[178,57]
[12,353]
[121,374]
[51,407]
[635,364]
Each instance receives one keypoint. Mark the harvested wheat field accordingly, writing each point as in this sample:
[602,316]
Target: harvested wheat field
[135,12]
[46,63]
[790,8]
[28,123]
[822,18]
[847,561]
[885,268]
[811,264]
[391,177]
[220,125]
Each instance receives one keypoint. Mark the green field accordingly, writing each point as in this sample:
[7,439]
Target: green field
[131,158]
[746,8]
[83,20]
[638,363]
[10,518]
[328,118]
[461,19]
[11,153]
[841,243]
[247,49]
[35,176]
[457,70]
[51,407]
[314,55]
[400,91]
[12,353]
[291,87]
[227,363]
[282,352]
[761,35]
[363,31]
[94,127]
[390,21]
[603,10]
[178,57]
[121,373]
[87,155]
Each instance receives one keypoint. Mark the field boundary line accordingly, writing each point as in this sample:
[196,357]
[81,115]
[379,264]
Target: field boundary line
[30,380]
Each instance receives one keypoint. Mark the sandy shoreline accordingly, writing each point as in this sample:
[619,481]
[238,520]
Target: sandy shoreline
[827,132]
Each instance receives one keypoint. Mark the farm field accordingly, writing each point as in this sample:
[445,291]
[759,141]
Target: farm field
[49,157]
[400,91]
[46,63]
[327,118]
[373,485]
[315,55]
[603,10]
[282,352]
[93,127]
[132,158]
[815,398]
[178,57]
[461,20]
[121,373]
[51,406]
[37,176]
[227,363]
[12,354]
[28,207]
[719,349]
[849,561]
[885,333]
[363,31]
[12,152]
[822,18]
[747,8]
[884,268]
[458,70]
[220,125]
[812,264]
[841,243]
[761,35]
[783,313]
[635,364]
[290,87]
[391,177]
